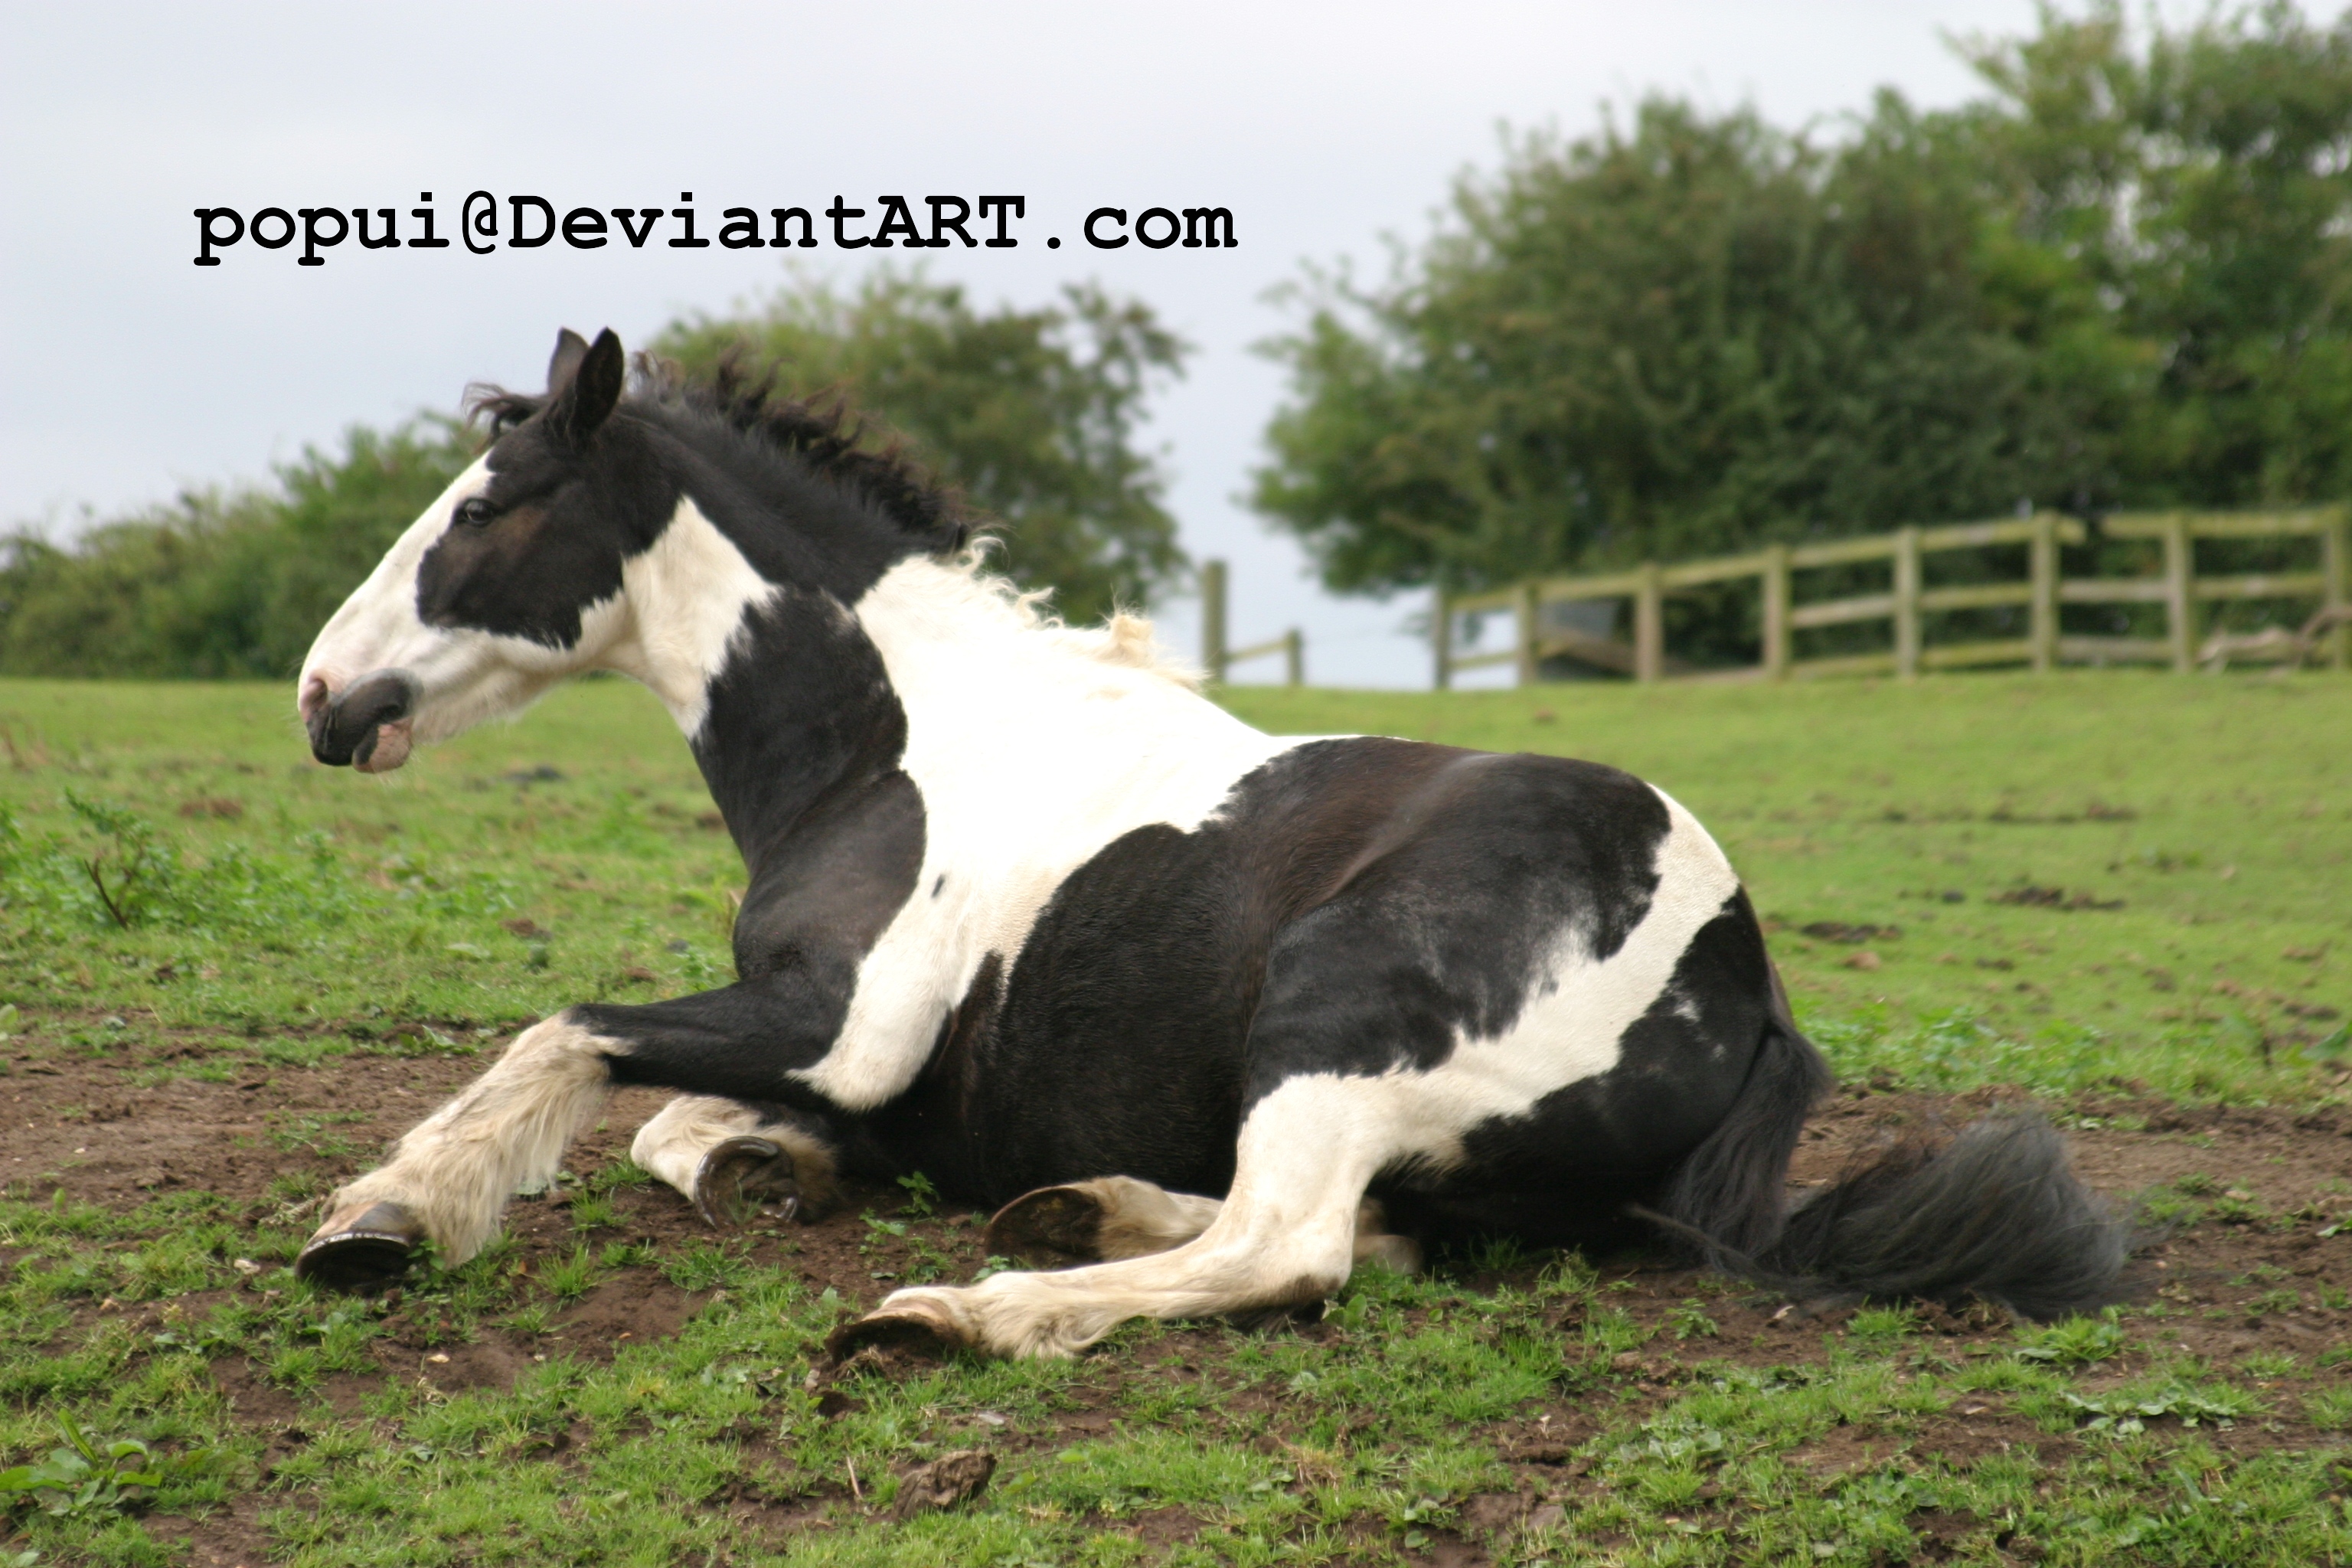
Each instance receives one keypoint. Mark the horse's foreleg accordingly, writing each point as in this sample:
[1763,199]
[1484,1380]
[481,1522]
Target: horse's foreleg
[449,1178]
[731,1158]
[1285,1236]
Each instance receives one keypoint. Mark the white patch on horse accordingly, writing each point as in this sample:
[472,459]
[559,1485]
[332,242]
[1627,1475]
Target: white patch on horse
[690,599]
[1034,746]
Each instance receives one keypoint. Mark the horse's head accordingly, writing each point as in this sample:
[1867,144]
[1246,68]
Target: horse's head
[508,582]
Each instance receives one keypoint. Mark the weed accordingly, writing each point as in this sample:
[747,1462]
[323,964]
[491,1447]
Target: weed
[590,1210]
[2330,1410]
[571,1277]
[2076,1341]
[922,1198]
[81,1479]
[2129,1409]
[704,1267]
[1690,1322]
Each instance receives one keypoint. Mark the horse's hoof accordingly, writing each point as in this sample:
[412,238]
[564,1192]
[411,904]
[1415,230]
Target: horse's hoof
[740,1177]
[365,1256]
[1055,1226]
[904,1331]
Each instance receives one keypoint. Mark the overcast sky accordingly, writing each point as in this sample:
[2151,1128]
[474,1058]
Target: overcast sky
[133,371]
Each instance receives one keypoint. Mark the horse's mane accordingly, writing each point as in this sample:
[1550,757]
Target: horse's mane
[823,431]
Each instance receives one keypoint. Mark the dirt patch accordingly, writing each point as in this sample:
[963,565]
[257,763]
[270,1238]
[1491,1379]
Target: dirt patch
[2247,1284]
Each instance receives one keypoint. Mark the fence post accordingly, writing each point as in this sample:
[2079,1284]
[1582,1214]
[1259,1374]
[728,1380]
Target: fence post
[1530,605]
[1906,604]
[1212,621]
[1775,612]
[2178,567]
[2042,631]
[2336,567]
[1649,625]
[1294,657]
[1441,637]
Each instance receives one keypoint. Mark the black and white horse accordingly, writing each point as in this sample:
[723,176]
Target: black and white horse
[1224,1011]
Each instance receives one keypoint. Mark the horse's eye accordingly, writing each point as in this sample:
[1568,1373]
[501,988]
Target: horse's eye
[475,512]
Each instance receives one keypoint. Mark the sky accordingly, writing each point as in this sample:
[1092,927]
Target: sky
[1326,129]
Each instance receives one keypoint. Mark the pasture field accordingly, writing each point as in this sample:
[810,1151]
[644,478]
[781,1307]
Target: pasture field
[228,977]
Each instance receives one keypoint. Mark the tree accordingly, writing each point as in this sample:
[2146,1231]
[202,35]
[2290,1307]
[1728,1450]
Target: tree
[1032,413]
[2118,280]
[222,582]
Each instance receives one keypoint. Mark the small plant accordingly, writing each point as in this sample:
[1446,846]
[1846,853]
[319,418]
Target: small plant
[2269,1365]
[1690,1322]
[590,1210]
[1887,1325]
[129,870]
[2127,1412]
[2076,1341]
[573,1277]
[2330,1411]
[703,1266]
[81,1480]
[922,1198]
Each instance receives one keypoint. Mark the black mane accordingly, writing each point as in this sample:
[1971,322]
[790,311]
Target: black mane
[821,430]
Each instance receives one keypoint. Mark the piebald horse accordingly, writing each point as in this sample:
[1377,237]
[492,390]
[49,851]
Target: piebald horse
[1216,1013]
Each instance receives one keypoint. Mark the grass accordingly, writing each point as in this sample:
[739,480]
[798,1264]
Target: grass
[171,866]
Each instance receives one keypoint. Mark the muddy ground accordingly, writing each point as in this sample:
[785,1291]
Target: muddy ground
[2253,1276]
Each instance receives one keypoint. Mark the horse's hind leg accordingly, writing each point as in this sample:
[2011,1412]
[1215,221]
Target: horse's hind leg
[1285,1236]
[732,1158]
[449,1178]
[1112,1217]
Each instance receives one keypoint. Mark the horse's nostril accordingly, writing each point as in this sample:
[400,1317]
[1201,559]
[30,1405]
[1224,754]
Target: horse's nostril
[315,696]
[344,726]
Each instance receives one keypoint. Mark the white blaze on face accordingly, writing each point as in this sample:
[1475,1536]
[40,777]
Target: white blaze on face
[682,605]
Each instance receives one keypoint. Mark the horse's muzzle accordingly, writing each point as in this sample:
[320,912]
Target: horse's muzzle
[344,730]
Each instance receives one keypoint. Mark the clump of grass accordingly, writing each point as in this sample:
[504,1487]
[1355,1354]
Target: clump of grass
[2074,1342]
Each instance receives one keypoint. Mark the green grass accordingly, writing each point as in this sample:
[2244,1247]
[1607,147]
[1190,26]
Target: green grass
[288,916]
[410,914]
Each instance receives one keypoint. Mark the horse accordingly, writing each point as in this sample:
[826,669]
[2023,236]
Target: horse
[1213,1014]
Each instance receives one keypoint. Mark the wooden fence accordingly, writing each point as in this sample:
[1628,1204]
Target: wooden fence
[1218,657]
[2177,587]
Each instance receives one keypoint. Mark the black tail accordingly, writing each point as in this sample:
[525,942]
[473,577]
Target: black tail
[1995,1212]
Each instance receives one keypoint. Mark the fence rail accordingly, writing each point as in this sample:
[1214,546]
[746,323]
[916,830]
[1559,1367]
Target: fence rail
[2175,586]
[1218,656]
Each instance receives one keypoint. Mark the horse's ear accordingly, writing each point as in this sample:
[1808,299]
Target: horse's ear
[571,348]
[584,401]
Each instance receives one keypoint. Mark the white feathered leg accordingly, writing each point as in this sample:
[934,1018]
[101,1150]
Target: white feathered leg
[450,1177]
[731,1159]
[1285,1236]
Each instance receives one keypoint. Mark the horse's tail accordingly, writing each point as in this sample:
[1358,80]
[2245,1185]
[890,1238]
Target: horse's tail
[1996,1211]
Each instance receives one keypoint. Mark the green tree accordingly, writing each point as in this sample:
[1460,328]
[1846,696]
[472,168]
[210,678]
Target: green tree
[2116,279]
[2204,180]
[222,582]
[1032,413]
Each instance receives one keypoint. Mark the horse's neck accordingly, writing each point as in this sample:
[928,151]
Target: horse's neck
[1023,735]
